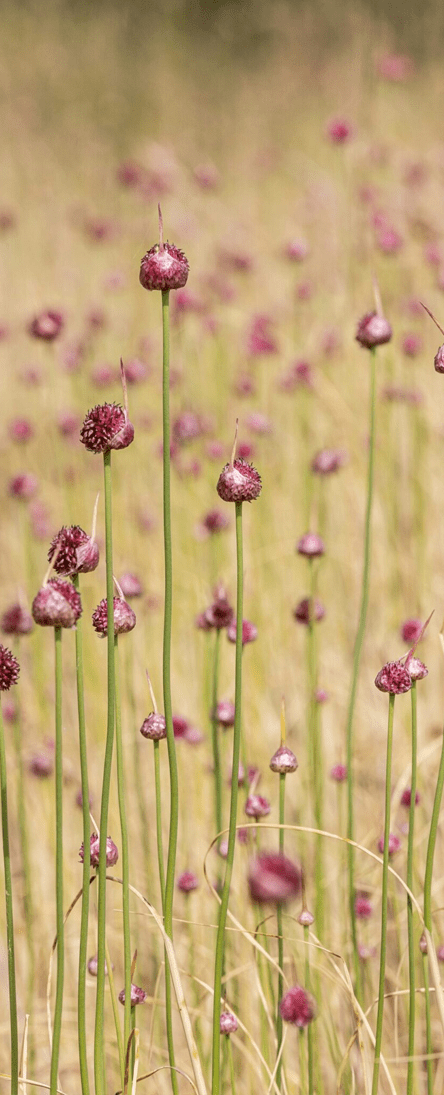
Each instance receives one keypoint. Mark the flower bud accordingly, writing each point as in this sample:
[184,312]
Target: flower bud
[187,882]
[394,844]
[309,611]
[106,427]
[224,714]
[228,1023]
[411,630]
[249,632]
[327,461]
[283,761]
[76,552]
[57,604]
[373,330]
[363,906]
[306,918]
[9,669]
[439,360]
[47,326]
[239,482]
[339,773]
[164,267]
[298,1007]
[154,727]
[112,853]
[257,806]
[406,797]
[274,878]
[131,585]
[16,621]
[393,678]
[93,964]
[137,996]
[124,617]
[311,545]
[416,669]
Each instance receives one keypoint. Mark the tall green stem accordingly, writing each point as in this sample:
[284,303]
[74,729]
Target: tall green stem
[220,941]
[429,1040]
[388,790]
[158,787]
[279,1022]
[83,944]
[310,1062]
[215,738]
[124,849]
[28,903]
[9,915]
[172,759]
[355,673]
[99,1033]
[428,903]
[411,940]
[315,745]
[57,1027]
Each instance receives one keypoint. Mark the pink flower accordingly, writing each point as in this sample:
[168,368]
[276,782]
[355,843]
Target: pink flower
[274,878]
[298,1007]
[339,130]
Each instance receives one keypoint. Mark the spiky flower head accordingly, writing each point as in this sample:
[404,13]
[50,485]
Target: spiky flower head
[124,617]
[249,632]
[154,727]
[239,482]
[274,878]
[75,551]
[16,621]
[9,669]
[228,1023]
[373,330]
[137,995]
[112,853]
[57,604]
[164,267]
[283,761]
[393,678]
[106,427]
[298,1007]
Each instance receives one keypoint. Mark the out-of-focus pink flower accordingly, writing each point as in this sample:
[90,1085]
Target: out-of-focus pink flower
[206,176]
[296,250]
[395,67]
[261,339]
[412,344]
[389,241]
[339,130]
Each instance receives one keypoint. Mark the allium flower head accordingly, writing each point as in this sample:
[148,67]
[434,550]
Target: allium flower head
[373,330]
[187,882]
[137,996]
[75,551]
[257,806]
[23,486]
[106,427]
[309,611]
[41,764]
[274,878]
[131,585]
[306,918]
[411,630]
[327,461]
[9,669]
[154,727]
[393,678]
[339,773]
[16,621]
[228,1023]
[406,797]
[164,267]
[363,906]
[47,325]
[283,760]
[394,844]
[416,669]
[124,617]
[311,545]
[224,713]
[93,964]
[220,613]
[215,521]
[439,360]
[57,604]
[249,632]
[298,1007]
[112,853]
[239,482]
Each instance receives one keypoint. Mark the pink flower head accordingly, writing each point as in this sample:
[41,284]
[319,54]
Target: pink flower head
[339,130]
[154,727]
[439,360]
[41,764]
[68,423]
[239,482]
[187,882]
[206,176]
[9,669]
[23,486]
[16,621]
[309,611]
[311,545]
[389,242]
[274,878]
[327,461]
[112,853]
[164,267]
[363,906]
[131,585]
[394,844]
[373,330]
[228,1023]
[57,604]
[412,344]
[249,632]
[129,173]
[365,952]
[259,423]
[406,797]
[321,696]
[186,427]
[283,761]
[47,325]
[124,617]
[136,371]
[339,773]
[75,551]
[416,668]
[137,995]
[180,726]
[261,340]
[244,385]
[298,1007]
[440,954]
[224,714]
[93,964]
[215,521]
[395,67]
[393,678]
[21,430]
[411,630]
[106,427]
[296,250]
[220,613]
[306,918]
[257,806]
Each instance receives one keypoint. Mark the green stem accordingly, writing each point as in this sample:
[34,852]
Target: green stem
[172,759]
[355,673]
[316,751]
[9,915]
[99,1034]
[57,1027]
[137,773]
[28,903]
[379,1018]
[115,1007]
[432,842]
[411,940]
[158,787]
[310,1069]
[279,1022]
[124,849]
[220,941]
[83,943]
[429,1041]
[215,738]
[231,1064]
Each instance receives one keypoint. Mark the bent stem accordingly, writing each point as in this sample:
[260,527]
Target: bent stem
[355,673]
[172,759]
[220,941]
[99,1044]
[411,941]
[9,916]
[380,1014]
[83,943]
[125,849]
[60,921]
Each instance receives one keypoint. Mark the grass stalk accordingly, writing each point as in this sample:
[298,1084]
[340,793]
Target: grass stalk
[410,933]
[9,916]
[124,848]
[384,897]
[57,1024]
[84,916]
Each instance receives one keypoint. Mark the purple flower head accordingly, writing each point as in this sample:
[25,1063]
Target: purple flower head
[393,678]
[339,773]
[274,878]
[20,430]
[296,250]
[257,806]
[23,486]
[220,613]
[9,669]
[373,330]
[249,632]
[365,952]
[16,621]
[187,427]
[406,797]
[228,1023]
[131,585]
[363,906]
[164,267]
[224,713]
[124,617]
[416,669]
[394,844]
[47,325]
[411,630]
[439,360]
[327,461]
[76,552]
[106,427]
[298,1007]
[137,996]
[283,760]
[309,611]
[306,918]
[215,521]
[412,344]
[187,882]
[154,727]
[93,964]
[339,130]
[310,545]
[112,854]
[41,764]
[57,604]
[239,482]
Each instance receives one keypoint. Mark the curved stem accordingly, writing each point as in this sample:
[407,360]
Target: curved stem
[411,940]
[125,850]
[215,738]
[99,1043]
[172,759]
[220,941]
[83,943]
[388,790]
[355,673]
[57,1026]
[9,915]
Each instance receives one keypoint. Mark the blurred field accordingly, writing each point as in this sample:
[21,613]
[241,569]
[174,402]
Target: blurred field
[250,93]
